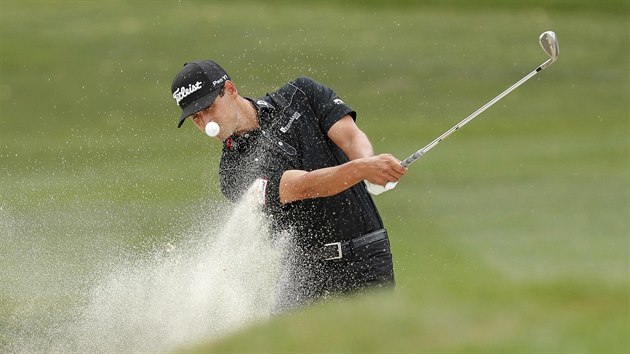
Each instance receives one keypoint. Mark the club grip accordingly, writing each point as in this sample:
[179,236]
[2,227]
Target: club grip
[411,159]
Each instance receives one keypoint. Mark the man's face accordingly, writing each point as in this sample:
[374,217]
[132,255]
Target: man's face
[221,111]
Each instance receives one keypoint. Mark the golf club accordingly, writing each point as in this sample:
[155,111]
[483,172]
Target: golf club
[549,43]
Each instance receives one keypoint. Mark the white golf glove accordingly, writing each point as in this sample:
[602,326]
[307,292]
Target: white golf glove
[376,189]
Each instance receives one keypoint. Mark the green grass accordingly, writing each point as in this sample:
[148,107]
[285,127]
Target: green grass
[511,236]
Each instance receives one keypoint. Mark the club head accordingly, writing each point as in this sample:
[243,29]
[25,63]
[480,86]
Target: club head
[549,43]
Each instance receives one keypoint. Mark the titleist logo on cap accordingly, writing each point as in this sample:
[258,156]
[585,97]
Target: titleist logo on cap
[182,92]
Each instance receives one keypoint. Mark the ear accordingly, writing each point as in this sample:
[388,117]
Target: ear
[230,88]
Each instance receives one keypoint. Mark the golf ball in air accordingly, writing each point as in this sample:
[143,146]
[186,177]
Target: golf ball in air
[212,129]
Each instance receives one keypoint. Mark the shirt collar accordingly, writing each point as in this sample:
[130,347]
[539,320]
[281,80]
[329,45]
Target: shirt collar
[261,105]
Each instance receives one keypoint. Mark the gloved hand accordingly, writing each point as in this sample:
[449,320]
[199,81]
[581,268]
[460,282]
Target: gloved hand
[376,189]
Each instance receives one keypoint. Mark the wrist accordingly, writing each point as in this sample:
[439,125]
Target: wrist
[357,169]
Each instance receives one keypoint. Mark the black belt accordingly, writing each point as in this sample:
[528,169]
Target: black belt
[337,250]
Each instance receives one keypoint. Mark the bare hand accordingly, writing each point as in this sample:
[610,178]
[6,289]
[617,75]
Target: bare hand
[381,169]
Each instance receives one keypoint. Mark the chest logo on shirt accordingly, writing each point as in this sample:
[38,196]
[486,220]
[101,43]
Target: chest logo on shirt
[295,116]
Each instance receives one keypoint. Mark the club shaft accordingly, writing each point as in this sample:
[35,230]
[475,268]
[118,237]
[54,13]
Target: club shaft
[418,154]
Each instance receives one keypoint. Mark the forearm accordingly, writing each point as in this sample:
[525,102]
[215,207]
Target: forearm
[298,185]
[350,139]
[357,146]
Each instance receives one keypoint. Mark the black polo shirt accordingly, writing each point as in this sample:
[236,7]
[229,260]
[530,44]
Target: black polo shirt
[294,122]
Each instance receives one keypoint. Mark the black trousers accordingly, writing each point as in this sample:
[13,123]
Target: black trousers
[306,277]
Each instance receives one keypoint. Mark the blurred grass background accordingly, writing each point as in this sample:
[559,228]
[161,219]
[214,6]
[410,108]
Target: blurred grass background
[512,236]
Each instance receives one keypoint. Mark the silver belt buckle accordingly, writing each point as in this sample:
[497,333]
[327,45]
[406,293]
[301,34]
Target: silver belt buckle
[339,253]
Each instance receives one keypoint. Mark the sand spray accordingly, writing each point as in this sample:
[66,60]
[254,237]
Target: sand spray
[221,278]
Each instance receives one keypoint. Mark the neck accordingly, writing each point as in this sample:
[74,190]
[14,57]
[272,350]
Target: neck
[250,116]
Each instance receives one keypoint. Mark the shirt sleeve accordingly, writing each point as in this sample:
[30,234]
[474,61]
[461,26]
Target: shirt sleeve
[269,182]
[326,105]
[272,195]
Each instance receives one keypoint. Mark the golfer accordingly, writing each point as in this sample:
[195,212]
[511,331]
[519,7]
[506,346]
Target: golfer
[301,151]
